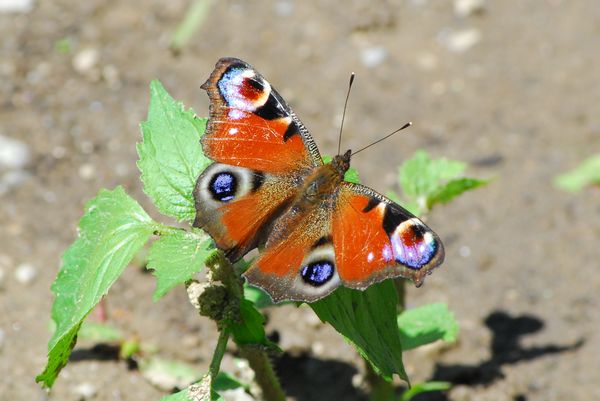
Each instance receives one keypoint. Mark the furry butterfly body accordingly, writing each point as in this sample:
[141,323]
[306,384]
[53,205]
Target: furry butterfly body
[269,188]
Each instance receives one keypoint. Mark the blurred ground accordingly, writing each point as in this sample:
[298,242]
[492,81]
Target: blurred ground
[511,87]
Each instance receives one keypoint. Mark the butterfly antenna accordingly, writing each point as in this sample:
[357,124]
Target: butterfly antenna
[408,124]
[344,113]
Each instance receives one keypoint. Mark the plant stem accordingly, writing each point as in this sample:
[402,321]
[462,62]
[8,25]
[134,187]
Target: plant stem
[400,285]
[381,390]
[215,363]
[264,373]
[194,16]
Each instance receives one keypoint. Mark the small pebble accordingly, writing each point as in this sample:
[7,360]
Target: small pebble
[464,8]
[284,8]
[13,153]
[85,60]
[464,251]
[358,381]
[460,41]
[317,348]
[16,6]
[2,338]
[25,273]
[87,171]
[373,56]
[12,179]
[461,393]
[85,390]
[58,152]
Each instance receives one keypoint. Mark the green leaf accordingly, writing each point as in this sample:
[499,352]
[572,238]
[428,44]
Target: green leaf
[587,173]
[176,256]
[426,324]
[100,332]
[452,189]
[178,396]
[426,182]
[425,387]
[63,45]
[257,296]
[420,176]
[367,320]
[195,15]
[171,157]
[129,348]
[224,381]
[112,230]
[260,298]
[352,176]
[168,374]
[251,328]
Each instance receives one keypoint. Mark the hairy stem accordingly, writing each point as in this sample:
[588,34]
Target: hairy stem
[228,279]
[265,374]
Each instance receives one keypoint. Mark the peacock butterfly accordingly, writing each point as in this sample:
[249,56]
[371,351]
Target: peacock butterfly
[269,188]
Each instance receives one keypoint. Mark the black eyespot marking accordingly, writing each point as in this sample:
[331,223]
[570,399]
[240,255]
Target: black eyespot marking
[256,83]
[223,186]
[393,217]
[291,130]
[373,202]
[273,108]
[418,232]
[317,273]
[323,241]
[257,180]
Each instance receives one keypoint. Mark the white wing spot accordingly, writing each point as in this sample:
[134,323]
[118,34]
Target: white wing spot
[236,114]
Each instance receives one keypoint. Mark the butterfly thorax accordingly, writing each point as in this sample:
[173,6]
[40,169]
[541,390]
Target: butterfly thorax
[322,183]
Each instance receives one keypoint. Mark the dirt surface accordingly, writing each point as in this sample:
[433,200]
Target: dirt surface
[511,87]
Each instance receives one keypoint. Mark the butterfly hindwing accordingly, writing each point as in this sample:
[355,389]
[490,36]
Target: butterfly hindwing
[236,205]
[375,238]
[298,261]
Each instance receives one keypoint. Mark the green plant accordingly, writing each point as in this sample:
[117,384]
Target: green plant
[586,174]
[114,229]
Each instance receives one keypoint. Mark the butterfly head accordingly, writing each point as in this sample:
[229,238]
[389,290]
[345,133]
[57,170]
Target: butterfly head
[341,163]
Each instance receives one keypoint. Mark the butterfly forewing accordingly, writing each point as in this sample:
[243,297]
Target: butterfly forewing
[251,126]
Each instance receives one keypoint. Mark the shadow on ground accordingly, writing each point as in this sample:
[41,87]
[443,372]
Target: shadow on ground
[507,332]
[310,379]
[307,378]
